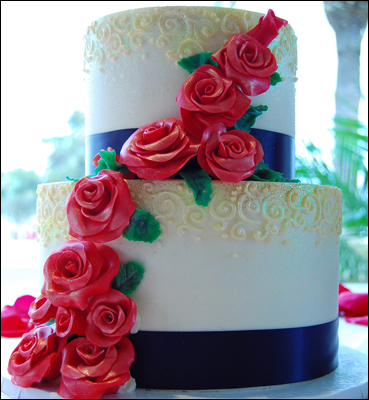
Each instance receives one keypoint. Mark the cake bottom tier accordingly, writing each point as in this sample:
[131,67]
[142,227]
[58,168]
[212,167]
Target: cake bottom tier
[233,359]
[241,293]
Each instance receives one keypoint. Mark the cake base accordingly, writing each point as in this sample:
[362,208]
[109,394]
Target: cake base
[348,381]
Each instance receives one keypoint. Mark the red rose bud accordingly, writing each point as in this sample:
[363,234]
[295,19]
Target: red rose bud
[41,310]
[158,150]
[90,371]
[77,271]
[111,315]
[37,357]
[99,208]
[230,156]
[248,63]
[208,97]
[97,158]
[267,28]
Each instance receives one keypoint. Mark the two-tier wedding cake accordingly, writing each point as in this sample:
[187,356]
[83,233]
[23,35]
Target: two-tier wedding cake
[189,257]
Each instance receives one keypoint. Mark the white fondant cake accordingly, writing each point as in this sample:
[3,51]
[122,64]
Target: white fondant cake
[240,281]
[259,256]
[132,73]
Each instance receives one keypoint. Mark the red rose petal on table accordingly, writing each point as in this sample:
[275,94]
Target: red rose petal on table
[15,320]
[353,304]
[358,320]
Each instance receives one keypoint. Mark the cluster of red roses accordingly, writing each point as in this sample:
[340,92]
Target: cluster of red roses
[77,294]
[211,100]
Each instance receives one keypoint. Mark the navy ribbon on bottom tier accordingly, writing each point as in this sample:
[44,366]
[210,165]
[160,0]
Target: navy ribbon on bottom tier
[279,149]
[233,359]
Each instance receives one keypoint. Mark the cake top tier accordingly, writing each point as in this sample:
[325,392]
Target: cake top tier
[133,76]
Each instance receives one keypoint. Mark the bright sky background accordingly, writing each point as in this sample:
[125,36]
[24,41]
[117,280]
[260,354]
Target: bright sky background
[42,80]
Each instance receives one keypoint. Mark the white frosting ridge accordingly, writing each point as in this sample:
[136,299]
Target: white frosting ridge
[132,73]
[260,256]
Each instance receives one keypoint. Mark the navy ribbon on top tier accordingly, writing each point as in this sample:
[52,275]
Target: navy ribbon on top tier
[233,359]
[101,141]
[279,149]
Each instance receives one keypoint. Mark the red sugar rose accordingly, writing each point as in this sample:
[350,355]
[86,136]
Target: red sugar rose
[90,371]
[246,59]
[111,315]
[70,321]
[41,310]
[158,150]
[78,270]
[207,97]
[248,63]
[38,356]
[230,156]
[99,208]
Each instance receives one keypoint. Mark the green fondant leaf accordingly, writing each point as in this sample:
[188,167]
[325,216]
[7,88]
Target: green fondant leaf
[49,322]
[264,174]
[128,277]
[108,161]
[262,165]
[199,182]
[275,78]
[143,227]
[72,179]
[248,119]
[76,180]
[191,64]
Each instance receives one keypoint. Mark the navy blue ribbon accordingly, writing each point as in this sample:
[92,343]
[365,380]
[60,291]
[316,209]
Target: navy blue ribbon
[233,359]
[102,141]
[279,149]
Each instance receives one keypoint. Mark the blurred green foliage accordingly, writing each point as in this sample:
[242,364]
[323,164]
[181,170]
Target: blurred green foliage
[351,153]
[18,195]
[18,187]
[68,157]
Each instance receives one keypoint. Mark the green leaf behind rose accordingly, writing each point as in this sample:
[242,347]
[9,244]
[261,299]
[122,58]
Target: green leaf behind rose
[128,277]
[108,161]
[49,322]
[262,173]
[199,182]
[143,227]
[72,179]
[275,78]
[191,63]
[248,119]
